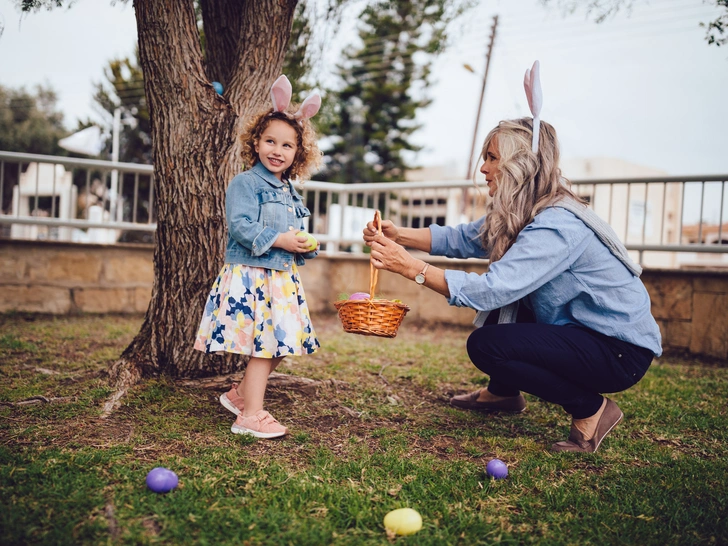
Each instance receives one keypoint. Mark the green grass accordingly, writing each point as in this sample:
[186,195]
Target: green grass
[381,437]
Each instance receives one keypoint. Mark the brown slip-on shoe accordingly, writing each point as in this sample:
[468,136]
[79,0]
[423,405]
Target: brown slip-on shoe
[611,416]
[512,404]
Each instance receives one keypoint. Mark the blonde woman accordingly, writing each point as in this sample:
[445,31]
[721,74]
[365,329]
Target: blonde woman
[563,314]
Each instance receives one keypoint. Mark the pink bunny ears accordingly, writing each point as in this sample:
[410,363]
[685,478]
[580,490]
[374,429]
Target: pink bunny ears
[532,84]
[280,96]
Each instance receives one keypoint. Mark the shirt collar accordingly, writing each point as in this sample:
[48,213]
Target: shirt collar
[266,175]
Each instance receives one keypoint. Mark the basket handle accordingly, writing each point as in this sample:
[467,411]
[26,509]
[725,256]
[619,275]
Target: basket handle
[373,271]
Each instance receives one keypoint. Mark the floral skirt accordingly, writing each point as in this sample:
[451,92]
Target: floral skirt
[257,312]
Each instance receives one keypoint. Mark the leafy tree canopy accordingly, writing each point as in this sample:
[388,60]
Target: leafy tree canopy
[385,79]
[125,90]
[30,122]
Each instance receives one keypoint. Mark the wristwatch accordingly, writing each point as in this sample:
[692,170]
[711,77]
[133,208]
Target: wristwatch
[420,277]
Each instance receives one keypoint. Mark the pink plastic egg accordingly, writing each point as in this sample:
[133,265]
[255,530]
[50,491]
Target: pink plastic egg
[359,296]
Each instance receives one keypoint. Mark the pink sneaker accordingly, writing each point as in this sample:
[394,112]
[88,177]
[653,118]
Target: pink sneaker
[260,425]
[232,400]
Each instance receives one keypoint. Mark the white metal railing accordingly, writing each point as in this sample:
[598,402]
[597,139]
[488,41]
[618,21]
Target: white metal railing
[67,199]
[59,198]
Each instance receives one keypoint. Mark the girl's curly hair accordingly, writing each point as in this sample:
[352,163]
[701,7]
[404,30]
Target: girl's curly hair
[308,156]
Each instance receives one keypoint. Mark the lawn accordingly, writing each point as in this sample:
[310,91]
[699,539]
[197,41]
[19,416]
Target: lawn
[373,434]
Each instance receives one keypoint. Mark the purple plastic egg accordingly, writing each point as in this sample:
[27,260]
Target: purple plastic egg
[359,296]
[496,469]
[161,480]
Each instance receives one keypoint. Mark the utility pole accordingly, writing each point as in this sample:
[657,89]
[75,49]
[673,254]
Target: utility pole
[493,30]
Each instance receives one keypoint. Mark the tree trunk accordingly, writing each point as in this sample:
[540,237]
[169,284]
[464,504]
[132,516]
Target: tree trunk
[196,152]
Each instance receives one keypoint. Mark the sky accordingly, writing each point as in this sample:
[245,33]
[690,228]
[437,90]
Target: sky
[643,87]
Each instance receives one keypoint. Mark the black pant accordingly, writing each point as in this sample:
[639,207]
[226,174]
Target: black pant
[566,365]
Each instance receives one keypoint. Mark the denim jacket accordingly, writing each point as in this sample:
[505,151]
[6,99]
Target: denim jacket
[258,207]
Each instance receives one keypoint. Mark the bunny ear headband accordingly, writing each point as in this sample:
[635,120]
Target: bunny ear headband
[532,84]
[280,96]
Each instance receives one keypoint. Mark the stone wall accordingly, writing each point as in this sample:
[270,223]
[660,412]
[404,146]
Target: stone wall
[63,278]
[691,307]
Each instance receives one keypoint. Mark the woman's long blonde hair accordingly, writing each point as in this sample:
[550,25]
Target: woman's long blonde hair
[527,183]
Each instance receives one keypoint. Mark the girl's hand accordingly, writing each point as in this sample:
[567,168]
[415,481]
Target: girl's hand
[290,242]
[390,256]
[389,230]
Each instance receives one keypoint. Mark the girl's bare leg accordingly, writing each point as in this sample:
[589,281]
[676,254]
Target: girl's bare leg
[252,387]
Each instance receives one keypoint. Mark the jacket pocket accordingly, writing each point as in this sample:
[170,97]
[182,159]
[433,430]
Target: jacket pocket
[272,209]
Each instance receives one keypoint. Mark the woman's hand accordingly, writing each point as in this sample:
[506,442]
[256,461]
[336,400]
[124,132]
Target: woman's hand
[389,230]
[390,256]
[292,243]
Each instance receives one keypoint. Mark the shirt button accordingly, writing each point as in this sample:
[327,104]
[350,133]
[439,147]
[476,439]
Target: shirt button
[290,209]
[285,264]
[619,356]
[290,228]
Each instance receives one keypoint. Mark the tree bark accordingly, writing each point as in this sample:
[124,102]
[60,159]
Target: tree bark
[196,153]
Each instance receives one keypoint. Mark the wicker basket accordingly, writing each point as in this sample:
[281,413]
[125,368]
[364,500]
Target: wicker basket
[371,317]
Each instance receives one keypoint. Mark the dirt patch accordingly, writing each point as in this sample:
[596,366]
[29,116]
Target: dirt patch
[365,411]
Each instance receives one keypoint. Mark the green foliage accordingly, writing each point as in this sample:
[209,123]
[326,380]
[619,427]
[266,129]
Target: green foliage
[125,90]
[385,80]
[297,63]
[717,30]
[30,122]
[35,5]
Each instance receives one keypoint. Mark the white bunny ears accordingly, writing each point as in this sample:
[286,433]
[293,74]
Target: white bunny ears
[280,96]
[532,84]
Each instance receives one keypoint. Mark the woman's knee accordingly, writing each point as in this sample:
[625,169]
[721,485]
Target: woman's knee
[483,349]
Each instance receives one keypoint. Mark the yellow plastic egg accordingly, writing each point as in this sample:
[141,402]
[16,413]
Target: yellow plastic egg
[403,521]
[312,242]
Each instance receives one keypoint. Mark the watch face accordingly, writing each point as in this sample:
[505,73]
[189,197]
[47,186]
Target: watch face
[420,278]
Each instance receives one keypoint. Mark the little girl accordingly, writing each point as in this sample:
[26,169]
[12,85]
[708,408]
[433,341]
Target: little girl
[257,306]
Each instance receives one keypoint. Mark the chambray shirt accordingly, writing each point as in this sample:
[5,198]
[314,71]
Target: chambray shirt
[563,270]
[259,207]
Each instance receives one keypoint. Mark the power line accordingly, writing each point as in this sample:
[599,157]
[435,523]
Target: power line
[641,15]
[656,24]
[584,28]
[570,45]
[567,42]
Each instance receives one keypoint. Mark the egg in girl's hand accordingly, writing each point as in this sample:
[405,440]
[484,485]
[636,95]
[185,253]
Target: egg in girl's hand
[312,242]
[403,521]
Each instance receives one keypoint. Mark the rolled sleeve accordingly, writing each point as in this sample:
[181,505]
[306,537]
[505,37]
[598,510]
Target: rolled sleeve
[462,241]
[538,255]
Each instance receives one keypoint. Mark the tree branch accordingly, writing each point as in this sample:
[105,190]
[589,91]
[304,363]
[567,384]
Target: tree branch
[222,23]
